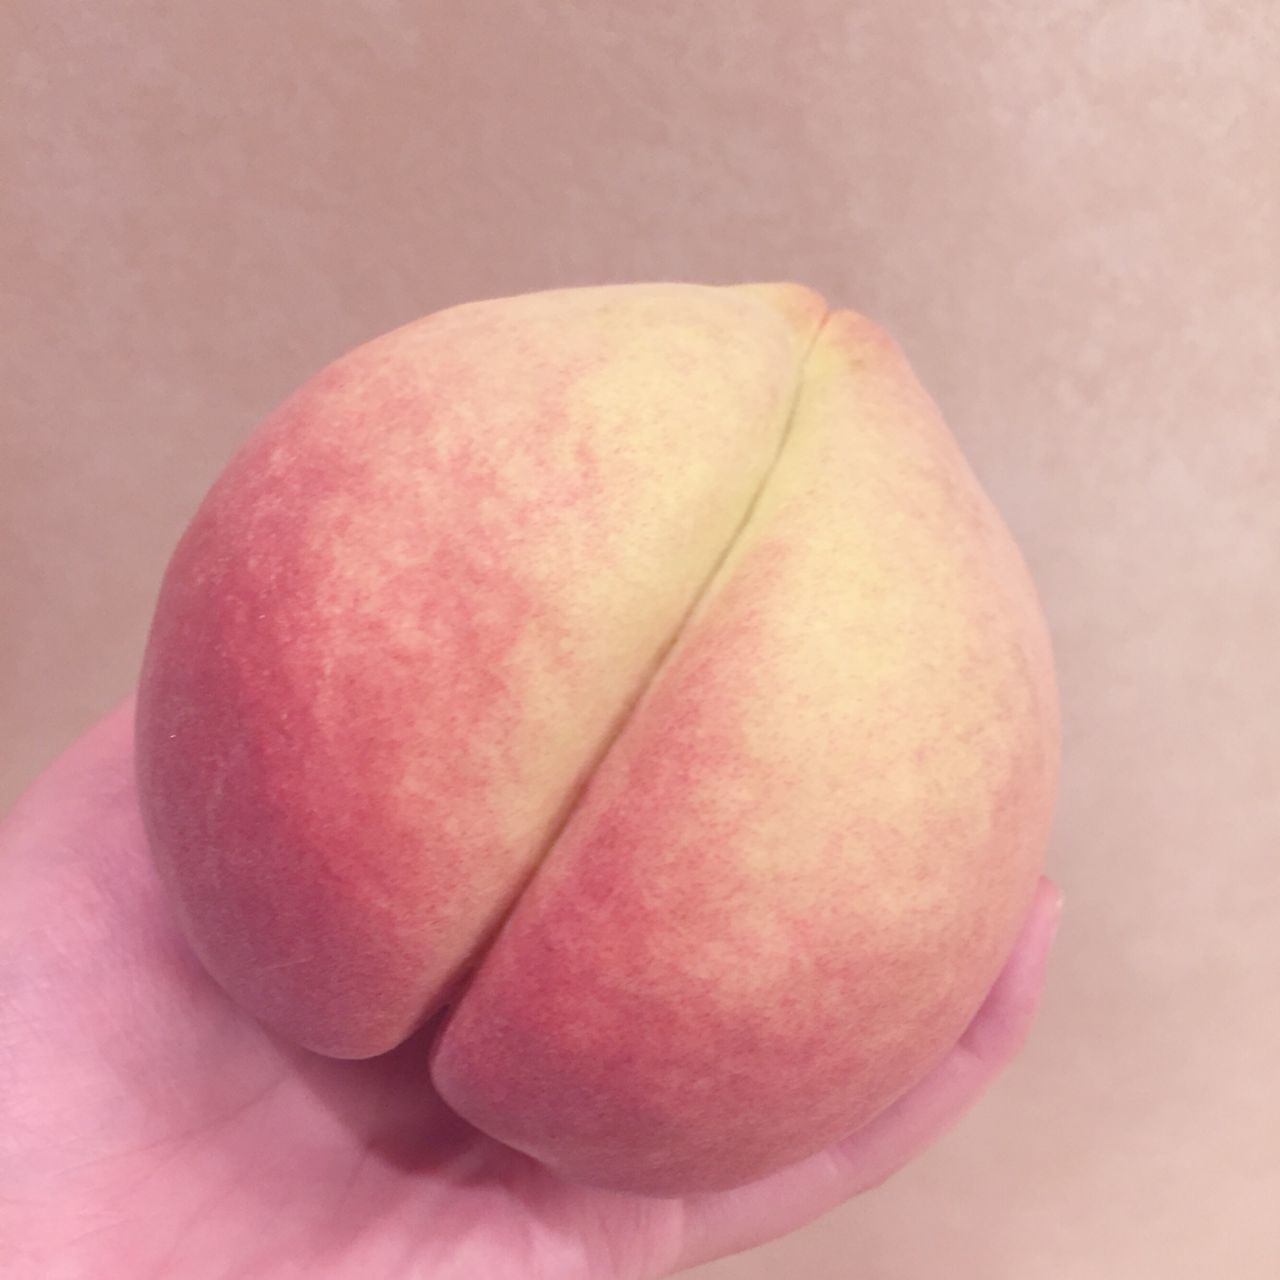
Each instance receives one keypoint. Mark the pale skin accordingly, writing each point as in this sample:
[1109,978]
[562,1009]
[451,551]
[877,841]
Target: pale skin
[152,1130]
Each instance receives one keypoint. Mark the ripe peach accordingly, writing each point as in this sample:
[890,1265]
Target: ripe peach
[638,669]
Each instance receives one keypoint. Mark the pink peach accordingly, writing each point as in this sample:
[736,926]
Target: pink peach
[638,669]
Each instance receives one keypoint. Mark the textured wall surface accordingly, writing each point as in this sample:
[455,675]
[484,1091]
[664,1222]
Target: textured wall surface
[1066,213]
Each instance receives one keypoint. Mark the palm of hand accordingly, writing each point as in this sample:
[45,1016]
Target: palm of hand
[153,1131]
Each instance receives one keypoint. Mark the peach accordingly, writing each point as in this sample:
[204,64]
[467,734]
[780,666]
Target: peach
[640,672]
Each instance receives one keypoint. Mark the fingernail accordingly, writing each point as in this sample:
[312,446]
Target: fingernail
[1057,915]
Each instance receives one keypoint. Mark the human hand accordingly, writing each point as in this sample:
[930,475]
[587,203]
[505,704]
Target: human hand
[150,1130]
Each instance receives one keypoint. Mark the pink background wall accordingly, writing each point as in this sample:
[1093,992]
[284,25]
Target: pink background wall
[1067,213]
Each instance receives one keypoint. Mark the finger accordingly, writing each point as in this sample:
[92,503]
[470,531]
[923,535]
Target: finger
[1002,1024]
[725,1222]
[93,773]
[991,1041]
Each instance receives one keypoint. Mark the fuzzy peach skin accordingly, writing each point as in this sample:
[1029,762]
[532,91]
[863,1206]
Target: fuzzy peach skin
[638,669]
